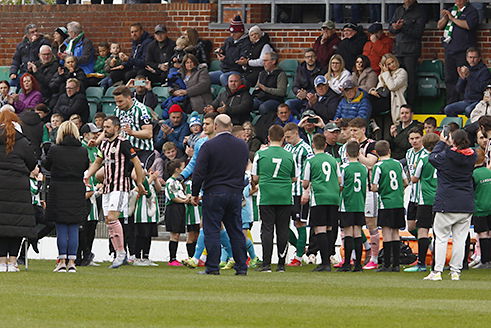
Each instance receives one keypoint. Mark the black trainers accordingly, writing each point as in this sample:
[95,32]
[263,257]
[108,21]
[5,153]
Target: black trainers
[280,268]
[322,268]
[344,269]
[396,268]
[211,273]
[384,269]
[357,268]
[266,268]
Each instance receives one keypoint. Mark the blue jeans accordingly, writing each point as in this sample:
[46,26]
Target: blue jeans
[67,240]
[460,107]
[265,107]
[226,208]
[221,78]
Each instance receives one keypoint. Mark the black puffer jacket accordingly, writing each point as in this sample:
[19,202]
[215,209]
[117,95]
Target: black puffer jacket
[32,128]
[25,52]
[139,51]
[66,199]
[304,79]
[16,210]
[238,104]
[351,48]
[408,38]
[44,74]
[77,104]
[232,51]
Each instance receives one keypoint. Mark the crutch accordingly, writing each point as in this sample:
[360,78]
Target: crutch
[24,242]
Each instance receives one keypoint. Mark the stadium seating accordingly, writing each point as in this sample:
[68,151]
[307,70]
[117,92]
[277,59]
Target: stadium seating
[448,120]
[214,66]
[431,86]
[161,92]
[4,73]
[158,111]
[289,66]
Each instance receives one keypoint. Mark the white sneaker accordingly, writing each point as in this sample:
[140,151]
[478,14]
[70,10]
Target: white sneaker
[150,263]
[60,267]
[434,276]
[334,260]
[3,267]
[454,275]
[477,265]
[12,267]
[132,259]
[139,262]
[118,261]
[475,262]
[92,263]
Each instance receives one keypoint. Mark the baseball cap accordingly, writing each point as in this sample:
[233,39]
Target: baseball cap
[329,25]
[308,112]
[89,127]
[194,120]
[320,79]
[374,28]
[160,29]
[331,127]
[351,26]
[348,84]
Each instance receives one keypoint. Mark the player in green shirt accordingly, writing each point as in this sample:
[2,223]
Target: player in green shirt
[300,210]
[413,154]
[321,177]
[389,180]
[425,175]
[482,212]
[353,182]
[274,169]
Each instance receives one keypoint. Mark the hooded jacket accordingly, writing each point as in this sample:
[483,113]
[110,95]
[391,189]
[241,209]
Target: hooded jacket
[232,51]
[16,211]
[139,51]
[32,128]
[455,190]
[238,104]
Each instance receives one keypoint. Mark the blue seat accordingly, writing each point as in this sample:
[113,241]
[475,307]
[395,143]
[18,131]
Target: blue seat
[448,120]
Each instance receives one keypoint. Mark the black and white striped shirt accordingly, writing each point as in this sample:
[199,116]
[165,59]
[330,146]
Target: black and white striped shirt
[117,155]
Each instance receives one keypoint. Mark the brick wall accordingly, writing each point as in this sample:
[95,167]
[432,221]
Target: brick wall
[111,23]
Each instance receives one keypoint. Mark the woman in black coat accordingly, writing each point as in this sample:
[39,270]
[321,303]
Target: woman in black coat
[17,160]
[66,203]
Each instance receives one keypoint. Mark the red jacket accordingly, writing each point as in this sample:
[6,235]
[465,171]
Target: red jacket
[375,51]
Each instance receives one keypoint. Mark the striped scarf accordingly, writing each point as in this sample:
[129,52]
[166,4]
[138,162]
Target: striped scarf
[72,43]
[447,32]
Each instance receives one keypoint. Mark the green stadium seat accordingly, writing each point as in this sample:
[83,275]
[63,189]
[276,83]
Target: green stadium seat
[431,87]
[215,90]
[158,110]
[108,95]
[289,66]
[4,73]
[161,92]
[289,89]
[92,110]
[214,66]
[448,120]
[94,94]
[108,108]
[434,67]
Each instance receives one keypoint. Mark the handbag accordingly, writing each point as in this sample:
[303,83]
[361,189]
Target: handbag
[383,92]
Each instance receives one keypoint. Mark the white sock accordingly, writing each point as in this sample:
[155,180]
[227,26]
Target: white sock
[374,259]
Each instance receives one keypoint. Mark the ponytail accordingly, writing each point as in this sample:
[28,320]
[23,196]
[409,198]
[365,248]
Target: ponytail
[7,119]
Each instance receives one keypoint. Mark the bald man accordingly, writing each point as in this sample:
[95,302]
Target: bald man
[219,171]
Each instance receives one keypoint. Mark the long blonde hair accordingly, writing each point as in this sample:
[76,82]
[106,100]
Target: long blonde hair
[388,56]
[67,128]
[330,74]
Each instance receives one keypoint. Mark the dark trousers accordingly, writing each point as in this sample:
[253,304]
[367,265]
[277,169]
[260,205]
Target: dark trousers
[146,157]
[274,216]
[410,64]
[86,235]
[226,208]
[9,246]
[451,75]
[142,246]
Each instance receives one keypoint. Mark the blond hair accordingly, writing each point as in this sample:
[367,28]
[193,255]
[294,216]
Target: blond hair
[388,56]
[330,74]
[67,128]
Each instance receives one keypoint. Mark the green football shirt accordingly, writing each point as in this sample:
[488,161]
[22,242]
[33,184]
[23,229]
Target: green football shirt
[193,213]
[389,176]
[482,194]
[412,158]
[426,173]
[301,151]
[137,116]
[275,168]
[173,189]
[354,180]
[322,171]
[147,207]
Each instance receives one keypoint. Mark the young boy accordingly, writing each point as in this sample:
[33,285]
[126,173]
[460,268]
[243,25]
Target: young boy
[425,175]
[482,213]
[274,169]
[389,180]
[175,210]
[321,174]
[247,215]
[99,71]
[99,119]
[300,211]
[413,154]
[49,133]
[146,216]
[196,128]
[430,125]
[354,181]
[113,63]
[193,221]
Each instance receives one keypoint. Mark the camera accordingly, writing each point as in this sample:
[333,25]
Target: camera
[140,83]
[312,120]
[446,131]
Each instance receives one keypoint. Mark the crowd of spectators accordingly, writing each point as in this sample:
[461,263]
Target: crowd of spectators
[356,75]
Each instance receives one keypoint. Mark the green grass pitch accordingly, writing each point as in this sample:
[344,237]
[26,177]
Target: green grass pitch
[177,297]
